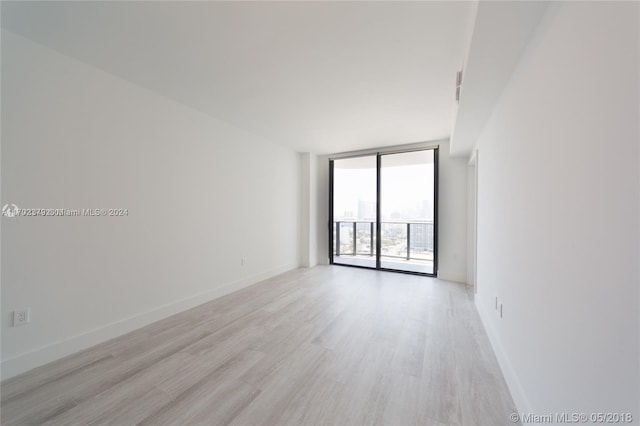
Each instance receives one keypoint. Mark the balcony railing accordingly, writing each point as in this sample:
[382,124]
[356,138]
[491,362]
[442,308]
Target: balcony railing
[404,240]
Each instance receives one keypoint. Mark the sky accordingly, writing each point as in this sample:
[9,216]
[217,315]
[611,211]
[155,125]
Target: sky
[402,187]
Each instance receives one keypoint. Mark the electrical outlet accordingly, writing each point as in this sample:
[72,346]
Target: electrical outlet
[243,261]
[500,310]
[20,317]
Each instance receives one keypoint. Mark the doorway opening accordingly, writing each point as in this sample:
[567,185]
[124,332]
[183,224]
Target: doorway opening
[383,211]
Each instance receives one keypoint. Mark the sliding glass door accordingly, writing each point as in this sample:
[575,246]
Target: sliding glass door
[407,185]
[391,195]
[354,211]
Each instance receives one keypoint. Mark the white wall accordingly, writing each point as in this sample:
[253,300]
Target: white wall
[558,214]
[304,159]
[308,235]
[452,216]
[313,210]
[471,223]
[322,209]
[452,226]
[201,195]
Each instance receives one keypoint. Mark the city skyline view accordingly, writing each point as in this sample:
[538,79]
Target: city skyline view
[406,200]
[400,192]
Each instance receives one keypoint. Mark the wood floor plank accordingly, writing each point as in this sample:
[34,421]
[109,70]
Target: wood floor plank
[403,402]
[281,386]
[438,388]
[409,355]
[127,404]
[366,391]
[314,404]
[216,398]
[55,371]
[213,404]
[322,346]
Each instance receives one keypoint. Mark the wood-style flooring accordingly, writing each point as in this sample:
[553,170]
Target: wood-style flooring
[329,345]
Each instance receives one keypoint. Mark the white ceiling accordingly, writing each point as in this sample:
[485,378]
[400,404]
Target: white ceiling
[322,77]
[501,32]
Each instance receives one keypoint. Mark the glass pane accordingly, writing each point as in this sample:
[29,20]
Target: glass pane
[407,207]
[354,211]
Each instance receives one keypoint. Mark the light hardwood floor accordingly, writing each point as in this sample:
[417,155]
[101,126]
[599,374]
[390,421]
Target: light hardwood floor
[328,345]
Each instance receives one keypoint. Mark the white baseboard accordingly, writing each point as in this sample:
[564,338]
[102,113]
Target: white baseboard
[26,361]
[517,391]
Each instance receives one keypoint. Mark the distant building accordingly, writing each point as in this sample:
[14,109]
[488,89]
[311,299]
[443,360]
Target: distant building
[422,236]
[366,211]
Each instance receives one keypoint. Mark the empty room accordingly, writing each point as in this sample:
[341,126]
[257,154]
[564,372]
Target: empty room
[320,212]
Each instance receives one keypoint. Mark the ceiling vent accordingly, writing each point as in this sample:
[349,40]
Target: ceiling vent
[458,84]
